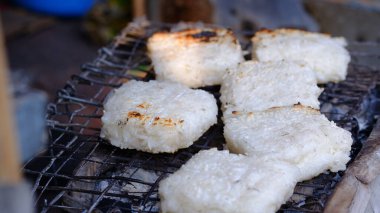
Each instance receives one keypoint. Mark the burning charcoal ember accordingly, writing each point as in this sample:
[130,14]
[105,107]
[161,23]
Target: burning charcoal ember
[334,112]
[88,168]
[131,181]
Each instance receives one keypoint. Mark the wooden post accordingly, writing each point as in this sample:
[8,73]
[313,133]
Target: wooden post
[9,156]
[138,8]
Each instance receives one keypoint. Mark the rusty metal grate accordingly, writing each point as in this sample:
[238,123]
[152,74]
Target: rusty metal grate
[80,172]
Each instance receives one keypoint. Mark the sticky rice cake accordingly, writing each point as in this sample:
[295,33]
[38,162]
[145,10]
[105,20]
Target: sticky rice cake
[297,135]
[195,57]
[324,54]
[157,116]
[257,86]
[216,181]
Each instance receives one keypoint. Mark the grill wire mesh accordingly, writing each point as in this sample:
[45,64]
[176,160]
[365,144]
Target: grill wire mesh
[81,172]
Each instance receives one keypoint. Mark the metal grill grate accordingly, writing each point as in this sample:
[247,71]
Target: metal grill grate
[80,172]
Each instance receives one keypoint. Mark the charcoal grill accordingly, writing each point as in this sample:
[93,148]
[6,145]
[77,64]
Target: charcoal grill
[81,172]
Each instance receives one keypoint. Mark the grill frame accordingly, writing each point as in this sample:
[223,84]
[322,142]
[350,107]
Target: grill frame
[74,126]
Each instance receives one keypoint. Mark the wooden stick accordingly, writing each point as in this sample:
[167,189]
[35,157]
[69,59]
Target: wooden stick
[138,8]
[9,156]
[354,192]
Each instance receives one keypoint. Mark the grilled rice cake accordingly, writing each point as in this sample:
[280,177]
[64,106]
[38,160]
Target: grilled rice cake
[324,54]
[194,57]
[217,181]
[257,86]
[297,135]
[157,116]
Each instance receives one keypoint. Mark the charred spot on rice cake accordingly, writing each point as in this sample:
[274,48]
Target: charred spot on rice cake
[204,36]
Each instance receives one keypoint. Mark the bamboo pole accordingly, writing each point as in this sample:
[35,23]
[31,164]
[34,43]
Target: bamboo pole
[9,156]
